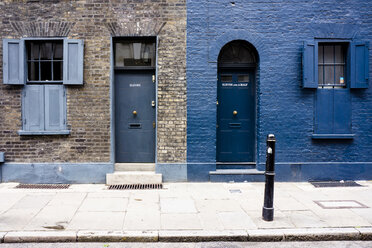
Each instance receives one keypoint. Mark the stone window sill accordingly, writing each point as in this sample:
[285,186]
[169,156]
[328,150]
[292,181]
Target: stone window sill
[59,132]
[333,136]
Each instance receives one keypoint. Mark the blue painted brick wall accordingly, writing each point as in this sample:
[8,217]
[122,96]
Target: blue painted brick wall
[277,30]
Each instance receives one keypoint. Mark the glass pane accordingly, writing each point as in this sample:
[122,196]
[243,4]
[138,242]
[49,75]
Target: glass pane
[340,77]
[46,51]
[33,71]
[320,54]
[329,75]
[45,71]
[339,55]
[243,78]
[328,54]
[57,51]
[134,54]
[320,74]
[57,71]
[226,78]
[33,51]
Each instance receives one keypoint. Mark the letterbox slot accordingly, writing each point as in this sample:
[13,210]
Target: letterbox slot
[235,125]
[135,125]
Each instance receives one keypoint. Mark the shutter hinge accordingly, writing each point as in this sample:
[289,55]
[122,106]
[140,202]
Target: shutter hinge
[153,78]
[25,121]
[64,93]
[24,93]
[64,121]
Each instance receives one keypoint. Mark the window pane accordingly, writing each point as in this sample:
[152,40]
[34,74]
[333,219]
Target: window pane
[329,74]
[45,71]
[320,54]
[339,55]
[320,74]
[134,54]
[328,54]
[243,78]
[33,51]
[46,51]
[57,51]
[226,78]
[57,71]
[340,77]
[33,71]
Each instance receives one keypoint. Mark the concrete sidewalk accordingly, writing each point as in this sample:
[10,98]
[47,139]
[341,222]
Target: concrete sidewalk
[185,212]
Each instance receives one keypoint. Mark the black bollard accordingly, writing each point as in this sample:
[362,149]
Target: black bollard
[268,208]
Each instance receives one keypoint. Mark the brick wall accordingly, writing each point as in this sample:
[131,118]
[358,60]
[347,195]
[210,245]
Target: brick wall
[88,106]
[277,30]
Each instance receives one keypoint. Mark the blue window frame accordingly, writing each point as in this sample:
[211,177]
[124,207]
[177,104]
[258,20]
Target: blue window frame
[44,66]
[333,67]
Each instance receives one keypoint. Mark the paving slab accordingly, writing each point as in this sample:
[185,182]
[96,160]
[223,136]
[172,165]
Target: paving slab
[176,205]
[213,205]
[27,237]
[281,220]
[97,221]
[33,201]
[67,199]
[317,234]
[11,199]
[104,204]
[142,219]
[236,220]
[16,219]
[209,221]
[305,218]
[202,236]
[117,236]
[184,221]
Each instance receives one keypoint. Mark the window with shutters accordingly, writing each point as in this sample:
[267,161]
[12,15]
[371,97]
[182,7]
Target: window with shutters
[333,68]
[44,67]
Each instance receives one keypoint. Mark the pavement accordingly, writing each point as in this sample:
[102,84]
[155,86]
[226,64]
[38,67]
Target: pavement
[185,212]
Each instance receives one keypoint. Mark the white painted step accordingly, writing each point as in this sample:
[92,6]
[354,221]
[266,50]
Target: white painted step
[133,177]
[134,166]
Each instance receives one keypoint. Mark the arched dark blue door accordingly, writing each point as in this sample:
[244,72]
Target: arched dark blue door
[236,115]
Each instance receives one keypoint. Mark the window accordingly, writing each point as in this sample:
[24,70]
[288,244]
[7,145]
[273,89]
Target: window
[133,53]
[333,67]
[331,64]
[43,67]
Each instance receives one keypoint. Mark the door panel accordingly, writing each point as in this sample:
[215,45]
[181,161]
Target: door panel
[134,131]
[236,116]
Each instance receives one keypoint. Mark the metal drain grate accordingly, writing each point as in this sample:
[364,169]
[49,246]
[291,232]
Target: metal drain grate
[322,184]
[136,186]
[42,186]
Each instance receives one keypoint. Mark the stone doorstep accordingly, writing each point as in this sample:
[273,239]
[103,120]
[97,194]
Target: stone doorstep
[308,234]
[133,177]
[134,167]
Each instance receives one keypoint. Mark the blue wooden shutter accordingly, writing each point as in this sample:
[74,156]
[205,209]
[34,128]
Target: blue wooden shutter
[341,111]
[73,57]
[13,61]
[54,107]
[309,65]
[324,111]
[33,108]
[359,64]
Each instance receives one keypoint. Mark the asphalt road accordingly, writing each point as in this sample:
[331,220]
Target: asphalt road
[322,244]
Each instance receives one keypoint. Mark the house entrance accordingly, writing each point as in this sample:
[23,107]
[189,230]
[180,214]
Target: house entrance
[135,101]
[236,103]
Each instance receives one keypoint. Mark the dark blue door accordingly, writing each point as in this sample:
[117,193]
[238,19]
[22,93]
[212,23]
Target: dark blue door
[236,116]
[134,116]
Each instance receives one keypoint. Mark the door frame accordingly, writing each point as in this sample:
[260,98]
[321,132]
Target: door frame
[112,94]
[254,69]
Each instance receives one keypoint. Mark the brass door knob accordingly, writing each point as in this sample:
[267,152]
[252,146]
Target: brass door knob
[235,112]
[134,112]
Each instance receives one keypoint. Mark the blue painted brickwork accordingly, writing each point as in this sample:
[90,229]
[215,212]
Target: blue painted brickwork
[276,29]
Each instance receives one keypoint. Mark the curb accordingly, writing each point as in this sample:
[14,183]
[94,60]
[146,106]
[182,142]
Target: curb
[306,234]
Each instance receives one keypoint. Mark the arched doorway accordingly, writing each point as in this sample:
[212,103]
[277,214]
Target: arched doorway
[236,103]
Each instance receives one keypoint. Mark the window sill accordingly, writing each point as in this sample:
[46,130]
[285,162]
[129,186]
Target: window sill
[333,136]
[60,132]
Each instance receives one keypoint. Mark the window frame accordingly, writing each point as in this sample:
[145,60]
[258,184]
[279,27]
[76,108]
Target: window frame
[63,130]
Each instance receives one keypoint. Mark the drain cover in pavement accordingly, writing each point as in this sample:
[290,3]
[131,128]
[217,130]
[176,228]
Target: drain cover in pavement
[321,184]
[338,204]
[42,186]
[235,191]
